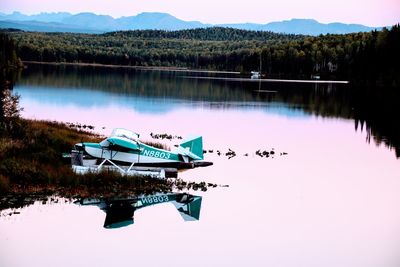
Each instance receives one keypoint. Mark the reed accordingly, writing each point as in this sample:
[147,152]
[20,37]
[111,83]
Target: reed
[157,145]
[31,155]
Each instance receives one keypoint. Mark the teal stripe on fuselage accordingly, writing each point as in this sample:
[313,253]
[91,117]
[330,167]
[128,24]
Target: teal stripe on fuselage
[94,145]
[123,143]
[150,151]
[146,150]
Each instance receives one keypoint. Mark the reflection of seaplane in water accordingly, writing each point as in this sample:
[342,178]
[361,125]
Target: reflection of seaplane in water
[125,153]
[120,212]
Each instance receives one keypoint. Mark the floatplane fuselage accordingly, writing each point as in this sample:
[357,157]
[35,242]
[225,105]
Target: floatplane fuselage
[123,147]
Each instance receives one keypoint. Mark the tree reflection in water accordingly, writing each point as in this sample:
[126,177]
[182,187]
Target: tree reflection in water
[372,109]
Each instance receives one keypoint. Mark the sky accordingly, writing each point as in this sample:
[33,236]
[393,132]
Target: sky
[367,12]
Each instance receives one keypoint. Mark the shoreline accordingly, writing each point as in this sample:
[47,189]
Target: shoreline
[269,80]
[35,168]
[186,70]
[153,68]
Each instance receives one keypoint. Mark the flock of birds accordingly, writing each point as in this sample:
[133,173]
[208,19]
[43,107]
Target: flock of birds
[260,153]
[229,154]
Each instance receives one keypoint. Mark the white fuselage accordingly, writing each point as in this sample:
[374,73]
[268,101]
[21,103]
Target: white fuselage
[140,157]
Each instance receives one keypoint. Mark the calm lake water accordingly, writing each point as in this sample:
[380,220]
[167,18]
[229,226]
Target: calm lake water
[333,200]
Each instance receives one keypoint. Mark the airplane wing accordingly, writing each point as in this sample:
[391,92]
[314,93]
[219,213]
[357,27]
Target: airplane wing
[119,214]
[123,142]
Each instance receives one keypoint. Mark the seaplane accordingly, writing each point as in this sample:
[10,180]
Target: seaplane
[120,212]
[126,153]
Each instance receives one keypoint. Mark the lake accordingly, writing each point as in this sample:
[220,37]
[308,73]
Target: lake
[329,196]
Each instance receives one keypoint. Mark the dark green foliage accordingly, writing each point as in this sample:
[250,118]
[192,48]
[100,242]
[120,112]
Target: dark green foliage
[206,34]
[9,62]
[8,55]
[378,57]
[370,57]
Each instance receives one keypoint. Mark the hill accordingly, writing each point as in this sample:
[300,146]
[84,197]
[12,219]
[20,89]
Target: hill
[92,23]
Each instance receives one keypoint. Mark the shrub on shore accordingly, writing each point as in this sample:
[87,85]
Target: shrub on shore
[31,161]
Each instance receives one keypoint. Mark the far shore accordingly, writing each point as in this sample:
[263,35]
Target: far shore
[181,69]
[156,68]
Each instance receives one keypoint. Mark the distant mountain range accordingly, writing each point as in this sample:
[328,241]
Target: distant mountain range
[92,23]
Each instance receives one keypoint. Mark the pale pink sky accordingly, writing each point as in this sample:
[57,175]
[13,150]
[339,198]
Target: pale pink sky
[367,12]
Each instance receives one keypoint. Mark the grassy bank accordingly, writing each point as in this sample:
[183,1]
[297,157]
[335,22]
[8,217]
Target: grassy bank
[31,163]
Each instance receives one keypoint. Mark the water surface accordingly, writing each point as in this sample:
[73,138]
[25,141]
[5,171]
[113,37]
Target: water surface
[331,201]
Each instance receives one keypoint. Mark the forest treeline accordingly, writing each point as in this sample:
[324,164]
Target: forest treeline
[208,34]
[8,53]
[370,57]
[9,63]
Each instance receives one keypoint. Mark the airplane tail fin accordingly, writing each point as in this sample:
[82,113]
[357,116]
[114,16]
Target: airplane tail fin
[192,148]
[188,206]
